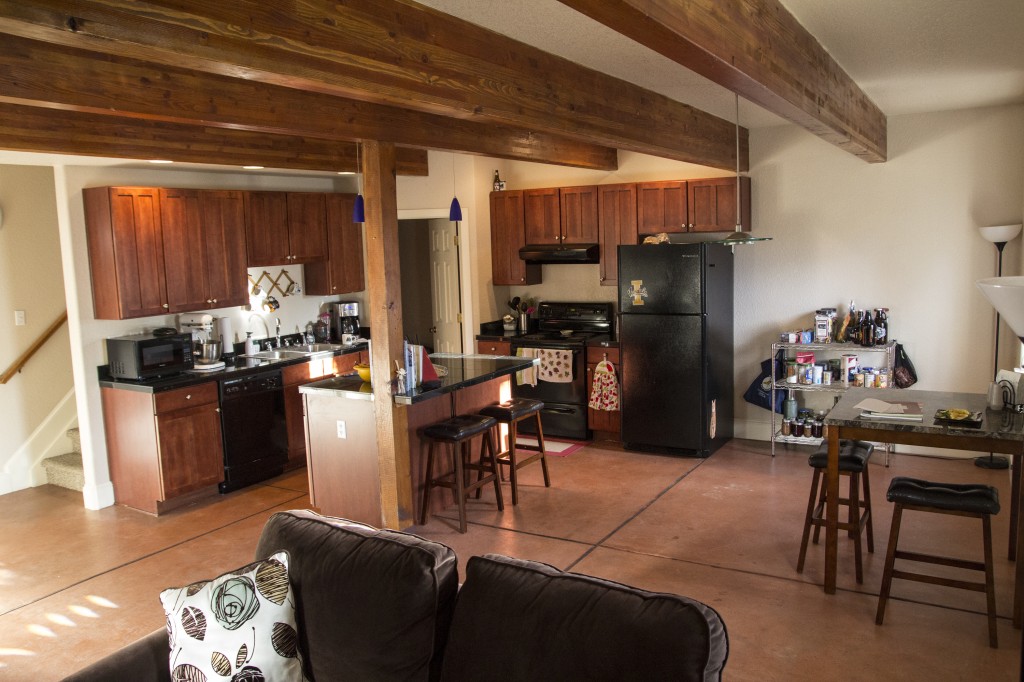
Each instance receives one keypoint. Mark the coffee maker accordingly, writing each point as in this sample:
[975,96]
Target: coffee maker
[345,321]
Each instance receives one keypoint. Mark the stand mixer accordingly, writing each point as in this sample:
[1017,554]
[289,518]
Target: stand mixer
[205,347]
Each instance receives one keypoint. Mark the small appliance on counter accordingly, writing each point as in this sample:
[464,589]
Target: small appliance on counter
[205,347]
[146,356]
[345,322]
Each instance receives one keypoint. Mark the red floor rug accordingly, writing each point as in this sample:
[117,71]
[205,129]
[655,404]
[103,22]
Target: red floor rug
[553,446]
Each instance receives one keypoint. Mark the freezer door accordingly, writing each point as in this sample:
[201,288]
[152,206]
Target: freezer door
[663,381]
[660,279]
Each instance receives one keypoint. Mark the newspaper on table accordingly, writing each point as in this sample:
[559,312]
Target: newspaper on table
[898,410]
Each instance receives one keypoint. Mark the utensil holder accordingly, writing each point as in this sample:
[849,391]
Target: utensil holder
[524,321]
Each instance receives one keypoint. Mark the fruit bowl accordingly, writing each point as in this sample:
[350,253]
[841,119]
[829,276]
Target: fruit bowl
[363,371]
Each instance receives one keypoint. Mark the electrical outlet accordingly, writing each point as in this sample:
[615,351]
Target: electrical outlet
[342,433]
[19,318]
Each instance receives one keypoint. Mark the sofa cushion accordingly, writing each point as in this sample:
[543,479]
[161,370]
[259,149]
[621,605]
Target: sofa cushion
[240,625]
[371,604]
[524,620]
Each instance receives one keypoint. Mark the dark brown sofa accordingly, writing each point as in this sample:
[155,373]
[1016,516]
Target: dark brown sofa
[385,605]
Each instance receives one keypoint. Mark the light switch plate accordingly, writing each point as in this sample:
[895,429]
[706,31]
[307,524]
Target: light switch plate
[342,433]
[19,318]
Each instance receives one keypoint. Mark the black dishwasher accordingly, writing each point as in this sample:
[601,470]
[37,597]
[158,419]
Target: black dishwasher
[252,421]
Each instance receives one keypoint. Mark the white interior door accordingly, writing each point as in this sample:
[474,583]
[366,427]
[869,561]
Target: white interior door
[444,284]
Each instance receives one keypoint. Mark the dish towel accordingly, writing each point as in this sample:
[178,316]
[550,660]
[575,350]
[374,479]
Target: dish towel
[555,366]
[527,376]
[604,395]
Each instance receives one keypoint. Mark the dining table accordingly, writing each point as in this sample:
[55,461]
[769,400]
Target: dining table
[1001,431]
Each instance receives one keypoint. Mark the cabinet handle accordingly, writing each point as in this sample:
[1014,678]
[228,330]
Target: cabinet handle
[188,397]
[214,300]
[216,409]
[165,306]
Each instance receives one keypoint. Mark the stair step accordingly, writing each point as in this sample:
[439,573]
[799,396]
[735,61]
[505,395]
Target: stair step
[65,471]
[76,440]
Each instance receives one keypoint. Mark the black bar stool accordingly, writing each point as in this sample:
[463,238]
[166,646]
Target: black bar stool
[511,412]
[974,500]
[458,433]
[853,463]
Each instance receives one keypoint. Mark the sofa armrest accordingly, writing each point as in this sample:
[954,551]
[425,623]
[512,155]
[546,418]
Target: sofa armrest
[144,660]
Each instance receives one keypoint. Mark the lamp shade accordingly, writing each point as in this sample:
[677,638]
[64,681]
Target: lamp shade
[455,212]
[1000,233]
[1006,294]
[359,210]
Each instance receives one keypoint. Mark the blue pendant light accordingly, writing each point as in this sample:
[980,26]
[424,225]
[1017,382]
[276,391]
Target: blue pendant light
[455,212]
[358,210]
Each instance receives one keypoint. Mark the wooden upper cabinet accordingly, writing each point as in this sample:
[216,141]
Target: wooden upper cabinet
[661,207]
[618,224]
[285,228]
[184,257]
[507,237]
[542,217]
[342,272]
[222,215]
[713,204]
[578,209]
[126,252]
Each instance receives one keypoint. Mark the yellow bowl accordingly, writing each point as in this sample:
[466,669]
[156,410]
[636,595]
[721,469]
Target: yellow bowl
[363,371]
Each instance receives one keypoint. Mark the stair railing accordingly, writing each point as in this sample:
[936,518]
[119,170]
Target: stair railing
[36,345]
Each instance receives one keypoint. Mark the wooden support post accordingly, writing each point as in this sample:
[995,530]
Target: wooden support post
[385,288]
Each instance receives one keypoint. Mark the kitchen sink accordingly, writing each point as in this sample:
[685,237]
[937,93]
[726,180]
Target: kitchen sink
[314,348]
[292,352]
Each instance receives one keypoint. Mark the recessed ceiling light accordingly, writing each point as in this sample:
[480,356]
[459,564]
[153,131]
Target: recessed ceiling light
[160,161]
[253,167]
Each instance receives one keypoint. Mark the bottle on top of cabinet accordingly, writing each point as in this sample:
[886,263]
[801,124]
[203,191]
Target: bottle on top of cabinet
[881,327]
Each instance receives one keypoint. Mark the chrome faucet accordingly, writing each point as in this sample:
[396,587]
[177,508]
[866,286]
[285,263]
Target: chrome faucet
[277,330]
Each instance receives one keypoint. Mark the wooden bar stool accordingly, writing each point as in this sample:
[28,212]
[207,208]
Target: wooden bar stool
[511,412]
[458,433]
[853,463]
[974,500]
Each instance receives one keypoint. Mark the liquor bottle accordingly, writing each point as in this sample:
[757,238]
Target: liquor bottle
[497,182]
[849,323]
[881,327]
[867,329]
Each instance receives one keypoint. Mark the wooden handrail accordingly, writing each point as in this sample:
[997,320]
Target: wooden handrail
[36,345]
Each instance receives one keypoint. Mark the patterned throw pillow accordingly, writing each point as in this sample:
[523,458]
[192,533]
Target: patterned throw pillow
[239,627]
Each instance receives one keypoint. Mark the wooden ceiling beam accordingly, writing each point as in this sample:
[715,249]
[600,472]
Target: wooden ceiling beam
[757,49]
[47,75]
[35,129]
[390,52]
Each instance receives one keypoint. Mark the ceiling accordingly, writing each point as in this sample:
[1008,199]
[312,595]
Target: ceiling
[909,56]
[293,85]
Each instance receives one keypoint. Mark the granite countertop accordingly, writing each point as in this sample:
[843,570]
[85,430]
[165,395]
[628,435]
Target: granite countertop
[463,371]
[997,424]
[344,386]
[238,367]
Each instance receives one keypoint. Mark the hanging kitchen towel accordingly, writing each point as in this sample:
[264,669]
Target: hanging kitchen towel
[604,395]
[555,366]
[527,376]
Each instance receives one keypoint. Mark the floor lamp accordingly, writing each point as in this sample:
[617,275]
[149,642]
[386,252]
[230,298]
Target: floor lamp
[998,235]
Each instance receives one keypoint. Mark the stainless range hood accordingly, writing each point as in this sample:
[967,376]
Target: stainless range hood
[560,253]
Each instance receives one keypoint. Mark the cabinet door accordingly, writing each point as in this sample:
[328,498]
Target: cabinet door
[342,272]
[542,216]
[712,204]
[578,208]
[223,223]
[507,237]
[617,221]
[266,228]
[307,227]
[661,207]
[191,455]
[186,272]
[493,347]
[138,251]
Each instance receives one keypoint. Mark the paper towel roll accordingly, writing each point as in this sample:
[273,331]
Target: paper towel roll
[225,334]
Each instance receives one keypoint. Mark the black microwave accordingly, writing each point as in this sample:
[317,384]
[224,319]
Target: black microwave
[146,356]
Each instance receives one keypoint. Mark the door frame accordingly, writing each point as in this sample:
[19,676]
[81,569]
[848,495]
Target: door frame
[465,267]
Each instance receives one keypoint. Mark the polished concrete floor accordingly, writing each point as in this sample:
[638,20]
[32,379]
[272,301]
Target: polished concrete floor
[77,584]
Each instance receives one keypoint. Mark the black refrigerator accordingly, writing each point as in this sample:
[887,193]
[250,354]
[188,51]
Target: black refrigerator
[676,347]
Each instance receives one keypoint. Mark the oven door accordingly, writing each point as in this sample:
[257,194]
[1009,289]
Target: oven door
[572,392]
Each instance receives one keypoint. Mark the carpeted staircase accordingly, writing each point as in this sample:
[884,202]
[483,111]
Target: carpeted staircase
[66,470]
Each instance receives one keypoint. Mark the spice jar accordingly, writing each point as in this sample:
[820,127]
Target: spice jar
[816,428]
[787,427]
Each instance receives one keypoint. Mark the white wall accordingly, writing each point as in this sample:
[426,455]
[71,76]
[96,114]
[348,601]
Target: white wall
[30,280]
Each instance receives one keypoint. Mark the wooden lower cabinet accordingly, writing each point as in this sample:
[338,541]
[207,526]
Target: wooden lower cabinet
[294,376]
[165,449]
[493,347]
[609,423]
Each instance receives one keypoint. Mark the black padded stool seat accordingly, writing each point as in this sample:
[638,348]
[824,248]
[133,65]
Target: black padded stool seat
[853,463]
[457,433]
[958,499]
[968,497]
[511,412]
